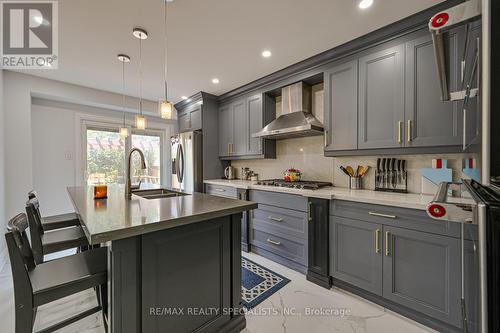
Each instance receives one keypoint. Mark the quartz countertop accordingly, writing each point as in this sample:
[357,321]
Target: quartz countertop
[405,200]
[117,217]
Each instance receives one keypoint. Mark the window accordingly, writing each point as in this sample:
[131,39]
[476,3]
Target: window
[150,144]
[105,157]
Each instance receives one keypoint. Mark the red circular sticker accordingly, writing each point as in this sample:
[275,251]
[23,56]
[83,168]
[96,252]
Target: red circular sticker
[440,19]
[437,210]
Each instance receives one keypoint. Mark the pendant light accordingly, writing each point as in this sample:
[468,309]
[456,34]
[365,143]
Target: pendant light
[140,119]
[165,107]
[124,132]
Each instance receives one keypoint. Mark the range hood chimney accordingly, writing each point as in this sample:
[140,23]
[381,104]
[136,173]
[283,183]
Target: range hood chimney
[296,119]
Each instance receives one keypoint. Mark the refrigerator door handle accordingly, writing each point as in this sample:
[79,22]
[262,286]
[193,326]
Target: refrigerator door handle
[181,164]
[177,161]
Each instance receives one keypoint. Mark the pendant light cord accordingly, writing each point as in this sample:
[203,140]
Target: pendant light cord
[165,49]
[123,91]
[140,73]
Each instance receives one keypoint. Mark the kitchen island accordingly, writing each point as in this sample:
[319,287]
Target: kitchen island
[174,259]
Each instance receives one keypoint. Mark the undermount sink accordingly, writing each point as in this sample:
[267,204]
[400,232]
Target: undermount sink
[158,193]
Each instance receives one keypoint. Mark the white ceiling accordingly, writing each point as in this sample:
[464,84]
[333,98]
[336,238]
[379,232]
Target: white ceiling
[206,39]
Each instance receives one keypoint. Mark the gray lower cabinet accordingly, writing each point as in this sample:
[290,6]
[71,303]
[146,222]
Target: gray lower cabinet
[429,122]
[381,98]
[279,228]
[355,253]
[341,106]
[422,272]
[233,193]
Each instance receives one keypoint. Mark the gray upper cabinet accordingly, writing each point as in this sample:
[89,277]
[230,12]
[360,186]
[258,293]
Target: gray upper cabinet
[240,137]
[238,120]
[341,106]
[355,253]
[381,99]
[225,129]
[254,124]
[429,121]
[190,119]
[422,272]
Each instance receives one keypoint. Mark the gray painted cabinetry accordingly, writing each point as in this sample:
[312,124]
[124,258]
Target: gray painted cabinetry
[190,119]
[279,228]
[404,261]
[390,98]
[238,120]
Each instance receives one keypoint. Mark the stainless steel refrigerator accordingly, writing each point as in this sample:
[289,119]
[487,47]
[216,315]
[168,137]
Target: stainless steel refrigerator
[187,162]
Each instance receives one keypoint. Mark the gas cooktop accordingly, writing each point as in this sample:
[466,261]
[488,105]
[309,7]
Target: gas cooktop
[304,185]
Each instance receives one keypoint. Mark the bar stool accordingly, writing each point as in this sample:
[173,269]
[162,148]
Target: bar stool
[51,241]
[35,285]
[55,221]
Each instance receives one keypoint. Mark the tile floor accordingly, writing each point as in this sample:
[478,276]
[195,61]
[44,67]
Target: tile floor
[349,313]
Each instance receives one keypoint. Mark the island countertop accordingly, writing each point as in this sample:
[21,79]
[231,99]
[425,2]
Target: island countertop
[117,217]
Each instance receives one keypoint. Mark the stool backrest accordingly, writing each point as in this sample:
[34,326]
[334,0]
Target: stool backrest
[20,252]
[36,230]
[32,194]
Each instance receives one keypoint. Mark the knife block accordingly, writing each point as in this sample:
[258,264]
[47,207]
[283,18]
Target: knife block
[391,181]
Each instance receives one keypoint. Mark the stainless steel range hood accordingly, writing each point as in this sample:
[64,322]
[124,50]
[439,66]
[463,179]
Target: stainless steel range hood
[296,119]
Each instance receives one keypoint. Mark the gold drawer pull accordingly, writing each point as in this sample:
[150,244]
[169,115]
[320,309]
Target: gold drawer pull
[400,131]
[220,190]
[383,215]
[273,242]
[277,219]
[408,131]
[377,241]
[387,242]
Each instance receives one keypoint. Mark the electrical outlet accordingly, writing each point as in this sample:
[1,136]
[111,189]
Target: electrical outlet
[68,156]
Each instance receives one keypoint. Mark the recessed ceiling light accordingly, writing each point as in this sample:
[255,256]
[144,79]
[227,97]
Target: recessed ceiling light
[184,97]
[363,4]
[266,53]
[215,80]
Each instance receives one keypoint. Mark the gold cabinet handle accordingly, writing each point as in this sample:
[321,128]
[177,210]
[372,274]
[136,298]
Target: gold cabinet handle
[408,130]
[400,136]
[387,242]
[277,219]
[377,241]
[231,148]
[227,148]
[309,211]
[326,138]
[273,242]
[260,145]
[383,215]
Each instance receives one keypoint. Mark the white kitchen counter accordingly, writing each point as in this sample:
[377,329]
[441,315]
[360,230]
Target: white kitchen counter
[405,200]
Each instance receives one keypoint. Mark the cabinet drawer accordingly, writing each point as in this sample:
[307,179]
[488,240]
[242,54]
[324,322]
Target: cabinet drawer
[286,221]
[221,191]
[294,249]
[394,216]
[290,201]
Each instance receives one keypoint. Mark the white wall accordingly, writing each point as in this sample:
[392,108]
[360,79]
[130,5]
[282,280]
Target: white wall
[22,122]
[3,215]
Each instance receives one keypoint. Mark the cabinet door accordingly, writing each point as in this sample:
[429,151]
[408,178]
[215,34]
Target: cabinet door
[239,141]
[196,118]
[381,99]
[355,253]
[422,272]
[472,114]
[429,121]
[254,110]
[225,129]
[184,122]
[341,106]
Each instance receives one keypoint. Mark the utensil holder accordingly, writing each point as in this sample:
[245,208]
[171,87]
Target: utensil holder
[355,183]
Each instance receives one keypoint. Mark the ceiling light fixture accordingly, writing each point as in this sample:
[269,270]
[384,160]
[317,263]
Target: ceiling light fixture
[215,80]
[124,132]
[140,119]
[165,107]
[266,53]
[364,4]
[184,97]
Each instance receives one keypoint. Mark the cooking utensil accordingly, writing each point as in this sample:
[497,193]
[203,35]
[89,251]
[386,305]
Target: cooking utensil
[345,171]
[377,177]
[350,170]
[363,171]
